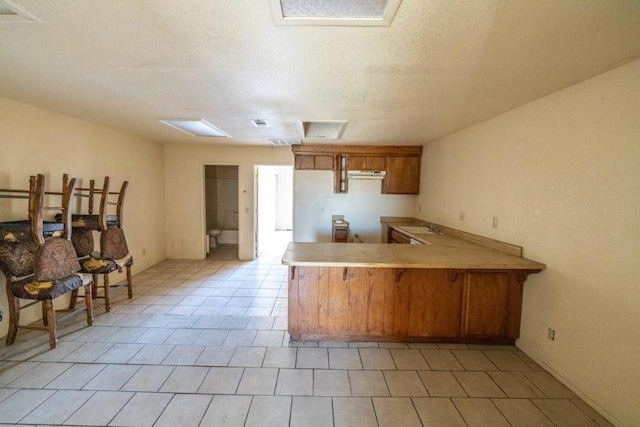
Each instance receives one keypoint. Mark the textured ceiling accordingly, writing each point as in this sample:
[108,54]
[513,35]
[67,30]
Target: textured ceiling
[441,66]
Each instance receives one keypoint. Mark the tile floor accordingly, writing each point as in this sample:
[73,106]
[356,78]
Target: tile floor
[205,343]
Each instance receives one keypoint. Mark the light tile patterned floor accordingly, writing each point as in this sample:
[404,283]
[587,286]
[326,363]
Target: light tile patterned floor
[205,343]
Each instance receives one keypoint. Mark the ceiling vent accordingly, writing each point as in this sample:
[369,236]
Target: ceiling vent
[261,123]
[285,142]
[334,12]
[323,129]
[10,12]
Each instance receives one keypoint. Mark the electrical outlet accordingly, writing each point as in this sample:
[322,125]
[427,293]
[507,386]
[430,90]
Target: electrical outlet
[321,208]
[551,334]
[495,222]
[461,216]
[419,208]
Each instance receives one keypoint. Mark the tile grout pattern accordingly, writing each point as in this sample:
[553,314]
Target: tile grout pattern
[205,343]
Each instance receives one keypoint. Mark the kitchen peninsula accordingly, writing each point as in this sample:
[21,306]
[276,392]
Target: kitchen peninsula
[447,289]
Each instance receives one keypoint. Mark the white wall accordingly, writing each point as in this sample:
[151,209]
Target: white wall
[284,198]
[34,140]
[184,182]
[362,207]
[267,212]
[562,174]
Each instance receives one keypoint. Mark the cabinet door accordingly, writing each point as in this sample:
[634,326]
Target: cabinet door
[403,175]
[304,162]
[492,305]
[356,163]
[373,163]
[376,163]
[311,162]
[434,302]
[324,163]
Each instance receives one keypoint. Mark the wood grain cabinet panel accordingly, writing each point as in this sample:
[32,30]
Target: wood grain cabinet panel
[492,305]
[366,162]
[305,162]
[324,162]
[396,304]
[403,175]
[435,303]
[314,162]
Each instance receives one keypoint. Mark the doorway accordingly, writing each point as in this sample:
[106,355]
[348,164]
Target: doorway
[274,208]
[221,207]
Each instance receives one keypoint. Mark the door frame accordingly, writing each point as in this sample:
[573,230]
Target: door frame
[203,204]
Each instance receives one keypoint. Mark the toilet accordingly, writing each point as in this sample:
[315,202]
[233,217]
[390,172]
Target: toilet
[213,234]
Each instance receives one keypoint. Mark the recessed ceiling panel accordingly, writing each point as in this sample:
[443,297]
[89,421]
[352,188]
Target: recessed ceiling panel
[333,8]
[196,127]
[334,12]
[323,129]
[11,12]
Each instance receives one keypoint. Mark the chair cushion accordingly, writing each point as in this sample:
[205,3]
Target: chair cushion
[113,244]
[44,290]
[82,239]
[17,257]
[56,259]
[97,266]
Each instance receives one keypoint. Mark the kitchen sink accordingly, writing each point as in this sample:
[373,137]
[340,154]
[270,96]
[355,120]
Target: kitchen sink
[418,230]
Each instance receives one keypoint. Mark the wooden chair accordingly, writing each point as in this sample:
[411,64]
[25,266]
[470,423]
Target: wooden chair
[114,253]
[43,269]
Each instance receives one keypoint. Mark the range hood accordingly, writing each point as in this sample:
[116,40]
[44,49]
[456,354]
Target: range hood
[366,174]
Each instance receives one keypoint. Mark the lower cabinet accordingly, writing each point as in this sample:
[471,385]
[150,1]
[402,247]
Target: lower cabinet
[394,304]
[492,305]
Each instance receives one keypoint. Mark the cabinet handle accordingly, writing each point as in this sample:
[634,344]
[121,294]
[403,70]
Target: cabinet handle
[344,274]
[292,272]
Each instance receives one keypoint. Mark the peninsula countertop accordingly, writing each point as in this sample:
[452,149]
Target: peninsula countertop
[438,251]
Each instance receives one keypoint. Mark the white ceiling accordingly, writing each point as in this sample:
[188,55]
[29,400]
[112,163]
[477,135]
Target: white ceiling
[441,66]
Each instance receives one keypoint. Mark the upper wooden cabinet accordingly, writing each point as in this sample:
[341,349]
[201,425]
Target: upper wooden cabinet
[401,164]
[403,175]
[319,162]
[375,163]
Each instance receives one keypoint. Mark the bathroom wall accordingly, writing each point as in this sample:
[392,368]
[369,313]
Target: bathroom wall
[221,187]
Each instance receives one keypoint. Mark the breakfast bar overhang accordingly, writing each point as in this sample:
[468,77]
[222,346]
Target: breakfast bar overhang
[447,290]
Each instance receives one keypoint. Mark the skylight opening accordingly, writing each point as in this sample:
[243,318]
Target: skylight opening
[196,127]
[334,12]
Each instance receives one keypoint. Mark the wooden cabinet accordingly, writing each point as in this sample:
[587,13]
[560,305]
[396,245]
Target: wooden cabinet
[311,162]
[376,163]
[397,237]
[435,297]
[403,175]
[492,303]
[405,304]
[401,164]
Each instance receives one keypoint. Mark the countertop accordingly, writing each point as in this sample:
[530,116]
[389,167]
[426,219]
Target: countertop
[439,251]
